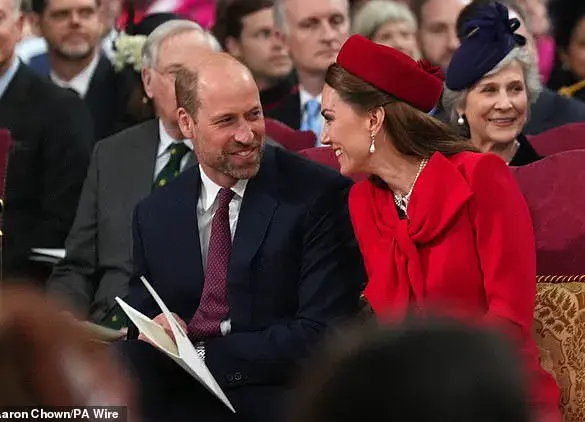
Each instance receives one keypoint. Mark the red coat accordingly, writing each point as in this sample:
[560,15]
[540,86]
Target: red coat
[468,247]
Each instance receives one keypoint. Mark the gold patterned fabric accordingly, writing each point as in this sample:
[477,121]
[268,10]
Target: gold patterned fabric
[559,331]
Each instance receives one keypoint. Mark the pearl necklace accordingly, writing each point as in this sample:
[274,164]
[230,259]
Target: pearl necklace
[402,201]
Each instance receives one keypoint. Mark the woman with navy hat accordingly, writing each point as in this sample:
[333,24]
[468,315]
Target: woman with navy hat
[440,227]
[490,85]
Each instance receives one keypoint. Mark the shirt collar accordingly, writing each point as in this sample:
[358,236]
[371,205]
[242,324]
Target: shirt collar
[210,189]
[306,97]
[80,82]
[166,140]
[8,75]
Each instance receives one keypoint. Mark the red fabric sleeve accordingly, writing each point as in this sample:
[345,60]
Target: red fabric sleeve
[505,244]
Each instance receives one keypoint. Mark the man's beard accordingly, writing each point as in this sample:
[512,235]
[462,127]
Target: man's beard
[74,55]
[224,165]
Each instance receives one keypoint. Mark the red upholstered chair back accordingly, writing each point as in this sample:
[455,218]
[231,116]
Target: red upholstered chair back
[289,138]
[326,157]
[559,139]
[321,155]
[554,190]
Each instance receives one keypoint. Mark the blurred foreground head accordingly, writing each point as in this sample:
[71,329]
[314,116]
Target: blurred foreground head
[47,359]
[423,372]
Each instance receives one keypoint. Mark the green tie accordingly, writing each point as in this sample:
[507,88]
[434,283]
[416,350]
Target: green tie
[173,167]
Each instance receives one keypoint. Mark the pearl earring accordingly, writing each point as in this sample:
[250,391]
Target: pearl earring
[461,120]
[372,143]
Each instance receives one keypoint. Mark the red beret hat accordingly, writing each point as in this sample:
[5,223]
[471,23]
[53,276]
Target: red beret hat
[392,71]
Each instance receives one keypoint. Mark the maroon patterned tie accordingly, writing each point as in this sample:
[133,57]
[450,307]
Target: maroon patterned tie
[213,307]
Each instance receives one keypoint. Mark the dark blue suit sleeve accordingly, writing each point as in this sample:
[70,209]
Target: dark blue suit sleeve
[331,278]
[138,297]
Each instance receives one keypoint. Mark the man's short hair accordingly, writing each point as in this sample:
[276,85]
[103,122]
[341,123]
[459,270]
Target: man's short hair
[280,15]
[39,6]
[229,15]
[416,7]
[186,90]
[161,33]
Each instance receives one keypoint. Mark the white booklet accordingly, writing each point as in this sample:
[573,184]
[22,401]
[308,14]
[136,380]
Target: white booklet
[181,350]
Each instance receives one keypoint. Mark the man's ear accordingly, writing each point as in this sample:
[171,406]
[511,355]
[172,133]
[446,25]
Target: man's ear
[233,47]
[186,124]
[34,22]
[146,76]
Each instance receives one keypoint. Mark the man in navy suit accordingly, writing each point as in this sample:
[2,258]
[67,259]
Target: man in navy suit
[253,250]
[75,60]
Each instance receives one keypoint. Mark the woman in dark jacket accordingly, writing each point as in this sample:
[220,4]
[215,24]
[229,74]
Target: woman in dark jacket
[490,85]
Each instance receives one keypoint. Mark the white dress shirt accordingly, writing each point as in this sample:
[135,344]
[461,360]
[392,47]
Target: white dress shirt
[163,154]
[206,208]
[305,97]
[80,82]
[31,47]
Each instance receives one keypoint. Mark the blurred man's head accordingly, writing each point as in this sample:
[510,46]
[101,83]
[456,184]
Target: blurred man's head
[166,50]
[220,111]
[435,371]
[314,32]
[109,13]
[437,35]
[246,30]
[536,12]
[10,31]
[72,28]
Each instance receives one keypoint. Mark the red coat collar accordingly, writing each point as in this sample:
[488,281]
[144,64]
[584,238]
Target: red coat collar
[438,195]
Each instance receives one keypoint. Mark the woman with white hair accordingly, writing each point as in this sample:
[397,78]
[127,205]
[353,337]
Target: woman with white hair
[490,84]
[389,23]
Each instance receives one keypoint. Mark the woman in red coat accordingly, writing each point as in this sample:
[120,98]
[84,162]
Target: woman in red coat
[441,227]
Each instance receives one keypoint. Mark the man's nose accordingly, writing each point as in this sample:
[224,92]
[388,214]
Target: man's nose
[244,133]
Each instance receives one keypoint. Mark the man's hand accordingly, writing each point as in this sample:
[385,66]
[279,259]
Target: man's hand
[161,320]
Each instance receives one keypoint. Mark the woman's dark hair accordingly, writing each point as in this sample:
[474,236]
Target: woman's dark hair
[412,131]
[565,16]
[421,372]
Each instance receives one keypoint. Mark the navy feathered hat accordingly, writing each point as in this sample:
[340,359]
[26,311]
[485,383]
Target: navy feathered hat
[487,37]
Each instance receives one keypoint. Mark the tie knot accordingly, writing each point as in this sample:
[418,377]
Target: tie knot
[313,107]
[178,150]
[225,196]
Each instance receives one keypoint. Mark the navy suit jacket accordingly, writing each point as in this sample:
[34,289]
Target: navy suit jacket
[101,97]
[552,110]
[288,110]
[295,267]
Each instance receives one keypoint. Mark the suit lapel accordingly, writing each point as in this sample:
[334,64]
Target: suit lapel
[541,111]
[186,225]
[101,71]
[191,160]
[288,111]
[40,65]
[14,95]
[143,158]
[256,212]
